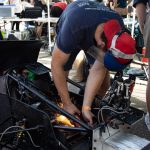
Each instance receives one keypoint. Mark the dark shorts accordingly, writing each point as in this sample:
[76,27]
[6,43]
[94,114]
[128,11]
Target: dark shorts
[68,65]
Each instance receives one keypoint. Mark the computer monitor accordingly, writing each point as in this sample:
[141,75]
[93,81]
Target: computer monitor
[6,11]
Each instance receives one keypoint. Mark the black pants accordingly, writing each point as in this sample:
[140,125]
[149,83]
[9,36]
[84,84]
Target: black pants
[16,23]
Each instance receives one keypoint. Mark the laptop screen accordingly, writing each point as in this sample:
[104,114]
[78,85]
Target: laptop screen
[16,53]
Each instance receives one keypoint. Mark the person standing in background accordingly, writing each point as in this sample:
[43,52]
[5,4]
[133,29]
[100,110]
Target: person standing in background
[57,9]
[18,10]
[40,3]
[43,6]
[143,15]
[27,3]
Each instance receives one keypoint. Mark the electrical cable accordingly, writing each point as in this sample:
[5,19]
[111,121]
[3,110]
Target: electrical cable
[107,108]
[37,146]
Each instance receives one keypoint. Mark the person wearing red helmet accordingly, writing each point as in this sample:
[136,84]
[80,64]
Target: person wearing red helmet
[57,9]
[100,32]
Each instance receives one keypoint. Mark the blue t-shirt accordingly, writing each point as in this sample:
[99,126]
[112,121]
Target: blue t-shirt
[77,24]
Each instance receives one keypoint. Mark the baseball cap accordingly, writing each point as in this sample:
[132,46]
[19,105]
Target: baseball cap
[120,45]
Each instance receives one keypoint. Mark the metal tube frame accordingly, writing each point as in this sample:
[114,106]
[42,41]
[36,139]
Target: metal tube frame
[48,100]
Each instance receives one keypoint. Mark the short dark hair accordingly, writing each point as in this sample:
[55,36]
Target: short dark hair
[56,11]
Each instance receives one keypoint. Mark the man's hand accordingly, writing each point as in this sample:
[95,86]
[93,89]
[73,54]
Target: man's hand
[88,116]
[71,108]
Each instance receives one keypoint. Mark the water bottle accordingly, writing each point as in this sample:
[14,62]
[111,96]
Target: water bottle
[43,14]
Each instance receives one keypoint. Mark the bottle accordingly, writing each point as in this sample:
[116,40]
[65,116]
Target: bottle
[43,14]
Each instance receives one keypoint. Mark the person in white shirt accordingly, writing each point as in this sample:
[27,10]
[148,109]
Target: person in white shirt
[18,10]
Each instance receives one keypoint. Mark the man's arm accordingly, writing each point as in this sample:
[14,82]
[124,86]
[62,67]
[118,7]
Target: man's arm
[95,79]
[141,14]
[94,82]
[59,59]
[98,35]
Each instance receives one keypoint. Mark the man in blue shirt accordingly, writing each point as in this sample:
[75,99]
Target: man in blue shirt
[144,21]
[94,28]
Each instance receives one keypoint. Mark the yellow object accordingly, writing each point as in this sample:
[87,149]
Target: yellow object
[64,120]
[3,34]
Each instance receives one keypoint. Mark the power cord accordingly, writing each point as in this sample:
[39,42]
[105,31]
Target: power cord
[106,108]
[11,127]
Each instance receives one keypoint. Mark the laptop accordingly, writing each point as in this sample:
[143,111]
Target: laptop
[19,52]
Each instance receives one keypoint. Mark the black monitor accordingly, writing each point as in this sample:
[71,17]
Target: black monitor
[33,12]
[16,53]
